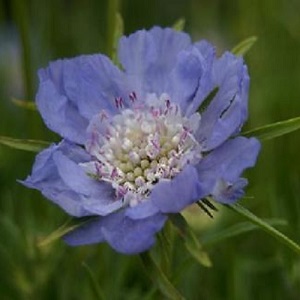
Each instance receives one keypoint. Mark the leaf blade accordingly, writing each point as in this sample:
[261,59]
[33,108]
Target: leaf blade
[244,46]
[190,240]
[158,277]
[67,227]
[30,105]
[238,229]
[274,130]
[24,144]
[179,24]
[265,226]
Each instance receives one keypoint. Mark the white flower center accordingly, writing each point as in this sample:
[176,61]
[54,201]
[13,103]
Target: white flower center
[135,149]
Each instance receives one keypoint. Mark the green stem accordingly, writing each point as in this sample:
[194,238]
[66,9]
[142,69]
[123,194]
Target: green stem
[159,278]
[113,8]
[21,18]
[94,284]
[265,226]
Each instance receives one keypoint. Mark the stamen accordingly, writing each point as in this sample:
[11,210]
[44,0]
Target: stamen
[132,96]
[140,146]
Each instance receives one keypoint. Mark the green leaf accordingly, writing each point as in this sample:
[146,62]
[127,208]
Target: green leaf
[159,278]
[179,24]
[20,144]
[165,248]
[205,103]
[30,105]
[119,31]
[265,226]
[67,227]
[238,229]
[243,47]
[113,18]
[190,240]
[94,284]
[274,130]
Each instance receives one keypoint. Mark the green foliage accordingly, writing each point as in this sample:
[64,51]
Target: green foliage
[274,130]
[159,278]
[24,104]
[265,226]
[27,145]
[243,47]
[191,242]
[179,25]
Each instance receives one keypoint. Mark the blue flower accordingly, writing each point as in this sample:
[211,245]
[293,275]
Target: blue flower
[135,146]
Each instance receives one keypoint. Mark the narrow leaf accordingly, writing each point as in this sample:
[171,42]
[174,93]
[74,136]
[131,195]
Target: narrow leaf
[165,249]
[27,145]
[237,230]
[67,227]
[24,104]
[243,47]
[159,278]
[119,31]
[205,103]
[94,284]
[265,226]
[190,240]
[274,130]
[112,19]
[179,24]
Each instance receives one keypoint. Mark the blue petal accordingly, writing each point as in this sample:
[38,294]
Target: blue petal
[59,114]
[228,192]
[149,56]
[206,55]
[89,233]
[58,176]
[171,196]
[227,162]
[71,91]
[45,178]
[228,111]
[98,197]
[190,78]
[123,234]
[142,210]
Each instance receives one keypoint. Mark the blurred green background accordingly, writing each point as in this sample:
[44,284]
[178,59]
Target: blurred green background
[249,266]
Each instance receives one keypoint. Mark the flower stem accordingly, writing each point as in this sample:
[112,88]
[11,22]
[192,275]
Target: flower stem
[113,8]
[20,11]
[265,226]
[159,278]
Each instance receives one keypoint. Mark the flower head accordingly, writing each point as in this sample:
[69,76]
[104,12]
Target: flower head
[135,145]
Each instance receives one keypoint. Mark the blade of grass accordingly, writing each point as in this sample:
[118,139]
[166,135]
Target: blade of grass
[159,278]
[244,46]
[237,230]
[20,144]
[94,284]
[265,226]
[274,130]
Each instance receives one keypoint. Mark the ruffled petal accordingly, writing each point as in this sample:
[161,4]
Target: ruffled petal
[227,112]
[58,176]
[229,192]
[227,162]
[171,196]
[122,233]
[59,114]
[149,56]
[142,210]
[189,79]
[71,91]
[206,55]
[98,197]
